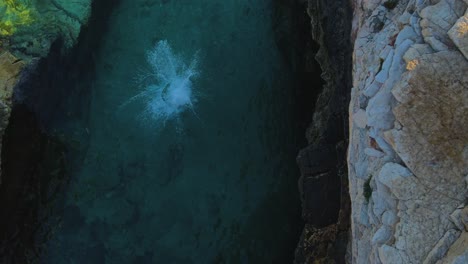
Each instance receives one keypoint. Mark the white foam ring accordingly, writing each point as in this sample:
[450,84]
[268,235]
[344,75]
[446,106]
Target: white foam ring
[168,88]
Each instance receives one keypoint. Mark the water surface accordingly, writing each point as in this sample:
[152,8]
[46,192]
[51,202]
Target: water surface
[215,183]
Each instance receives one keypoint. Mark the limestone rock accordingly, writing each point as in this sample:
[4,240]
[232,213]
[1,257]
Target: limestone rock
[400,181]
[359,118]
[433,136]
[390,255]
[441,248]
[382,235]
[410,77]
[457,253]
[459,34]
[438,19]
[389,218]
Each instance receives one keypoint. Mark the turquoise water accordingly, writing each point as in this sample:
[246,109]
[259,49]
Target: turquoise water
[189,164]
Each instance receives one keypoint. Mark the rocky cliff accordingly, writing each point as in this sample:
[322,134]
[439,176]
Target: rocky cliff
[408,149]
[324,183]
[28,30]
[10,70]
[402,196]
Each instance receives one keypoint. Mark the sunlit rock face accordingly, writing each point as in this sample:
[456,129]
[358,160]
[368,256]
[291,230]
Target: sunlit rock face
[408,134]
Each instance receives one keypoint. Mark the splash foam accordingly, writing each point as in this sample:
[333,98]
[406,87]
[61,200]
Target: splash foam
[168,88]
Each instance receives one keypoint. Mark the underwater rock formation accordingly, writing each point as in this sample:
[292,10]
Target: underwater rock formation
[408,133]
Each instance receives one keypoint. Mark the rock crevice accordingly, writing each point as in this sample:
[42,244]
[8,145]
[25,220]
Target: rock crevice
[323,184]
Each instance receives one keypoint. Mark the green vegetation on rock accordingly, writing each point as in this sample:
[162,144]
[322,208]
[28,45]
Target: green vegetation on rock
[367,189]
[14,13]
[29,27]
[391,4]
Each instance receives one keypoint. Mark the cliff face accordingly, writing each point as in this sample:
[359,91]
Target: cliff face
[323,183]
[35,25]
[30,169]
[10,70]
[32,28]
[408,147]
[27,31]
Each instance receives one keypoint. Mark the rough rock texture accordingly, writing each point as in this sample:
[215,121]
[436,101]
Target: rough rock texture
[52,19]
[34,158]
[29,156]
[408,132]
[323,184]
[10,70]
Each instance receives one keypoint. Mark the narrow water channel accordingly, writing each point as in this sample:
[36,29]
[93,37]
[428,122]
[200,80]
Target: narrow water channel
[187,154]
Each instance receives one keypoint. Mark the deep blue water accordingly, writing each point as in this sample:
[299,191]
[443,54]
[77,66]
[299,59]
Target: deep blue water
[191,160]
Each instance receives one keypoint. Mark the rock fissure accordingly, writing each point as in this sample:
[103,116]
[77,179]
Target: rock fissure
[327,197]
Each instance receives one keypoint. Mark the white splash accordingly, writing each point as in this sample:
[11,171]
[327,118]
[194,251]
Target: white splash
[168,89]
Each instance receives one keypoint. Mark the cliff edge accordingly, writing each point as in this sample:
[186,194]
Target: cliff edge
[408,149]
[323,184]
[27,31]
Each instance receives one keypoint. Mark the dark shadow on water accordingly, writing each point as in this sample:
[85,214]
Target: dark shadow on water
[293,33]
[34,158]
[32,173]
[57,91]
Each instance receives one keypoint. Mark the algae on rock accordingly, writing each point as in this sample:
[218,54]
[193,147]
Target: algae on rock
[14,14]
[29,27]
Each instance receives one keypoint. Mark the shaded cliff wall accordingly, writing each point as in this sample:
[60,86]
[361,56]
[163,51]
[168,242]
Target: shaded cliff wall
[28,30]
[323,183]
[34,159]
